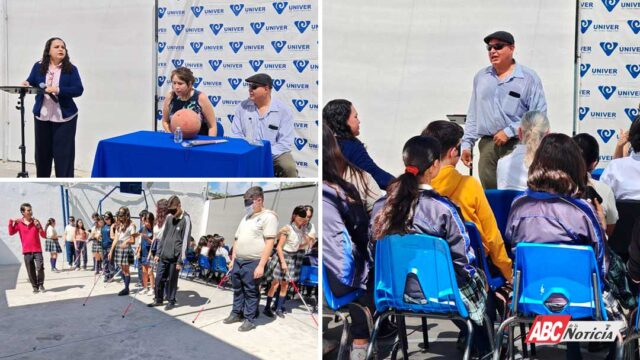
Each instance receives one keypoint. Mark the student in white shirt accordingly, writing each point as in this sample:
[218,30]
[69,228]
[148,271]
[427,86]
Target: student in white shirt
[622,174]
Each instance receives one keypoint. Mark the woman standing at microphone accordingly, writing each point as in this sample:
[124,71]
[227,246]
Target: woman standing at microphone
[55,111]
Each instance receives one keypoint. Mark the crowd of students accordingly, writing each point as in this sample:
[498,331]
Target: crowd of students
[561,204]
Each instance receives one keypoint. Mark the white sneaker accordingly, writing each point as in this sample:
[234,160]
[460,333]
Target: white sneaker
[152,292]
[358,353]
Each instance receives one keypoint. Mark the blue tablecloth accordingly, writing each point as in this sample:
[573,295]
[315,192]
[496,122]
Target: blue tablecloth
[154,154]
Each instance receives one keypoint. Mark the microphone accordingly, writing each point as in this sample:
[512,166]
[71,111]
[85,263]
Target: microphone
[52,96]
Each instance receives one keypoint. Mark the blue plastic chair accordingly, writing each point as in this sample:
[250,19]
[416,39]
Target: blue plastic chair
[219,129]
[204,264]
[481,257]
[500,202]
[427,259]
[220,265]
[338,305]
[309,275]
[186,266]
[541,271]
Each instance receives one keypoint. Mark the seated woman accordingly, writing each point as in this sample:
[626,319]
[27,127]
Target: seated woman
[512,170]
[622,174]
[411,206]
[344,211]
[342,118]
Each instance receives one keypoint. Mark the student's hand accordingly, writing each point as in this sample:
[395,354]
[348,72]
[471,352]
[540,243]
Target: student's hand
[500,138]
[258,272]
[284,268]
[25,83]
[156,258]
[230,265]
[178,267]
[600,212]
[109,257]
[466,158]
[36,222]
[52,90]
[623,139]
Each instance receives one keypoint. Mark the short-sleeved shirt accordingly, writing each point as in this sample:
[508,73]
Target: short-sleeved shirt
[51,232]
[69,233]
[252,232]
[295,237]
[126,234]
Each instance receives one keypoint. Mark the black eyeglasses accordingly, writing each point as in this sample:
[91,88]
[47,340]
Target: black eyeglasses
[498,46]
[255,86]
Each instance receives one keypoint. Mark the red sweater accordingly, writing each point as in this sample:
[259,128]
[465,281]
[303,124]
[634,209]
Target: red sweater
[28,236]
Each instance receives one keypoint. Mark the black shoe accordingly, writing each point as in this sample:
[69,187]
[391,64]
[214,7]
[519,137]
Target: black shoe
[170,306]
[35,290]
[123,292]
[154,304]
[280,313]
[233,318]
[247,326]
[267,311]
[41,288]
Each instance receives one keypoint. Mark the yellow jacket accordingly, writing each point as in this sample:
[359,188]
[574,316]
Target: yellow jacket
[468,194]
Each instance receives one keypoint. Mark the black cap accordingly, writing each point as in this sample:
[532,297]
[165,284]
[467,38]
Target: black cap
[260,79]
[500,35]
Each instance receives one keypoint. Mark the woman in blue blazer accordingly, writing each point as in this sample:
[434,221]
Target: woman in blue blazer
[55,112]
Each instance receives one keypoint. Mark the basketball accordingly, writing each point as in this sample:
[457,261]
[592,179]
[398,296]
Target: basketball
[188,120]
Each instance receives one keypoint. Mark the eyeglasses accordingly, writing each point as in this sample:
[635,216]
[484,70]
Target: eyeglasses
[497,46]
[255,86]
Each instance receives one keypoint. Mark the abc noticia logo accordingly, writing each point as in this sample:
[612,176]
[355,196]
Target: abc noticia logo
[553,329]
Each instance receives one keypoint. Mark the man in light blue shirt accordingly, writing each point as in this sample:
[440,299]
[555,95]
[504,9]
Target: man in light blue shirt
[502,93]
[262,117]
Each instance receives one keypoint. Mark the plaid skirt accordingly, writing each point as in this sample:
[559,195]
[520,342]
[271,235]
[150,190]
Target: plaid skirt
[51,245]
[123,256]
[474,297]
[290,260]
[96,246]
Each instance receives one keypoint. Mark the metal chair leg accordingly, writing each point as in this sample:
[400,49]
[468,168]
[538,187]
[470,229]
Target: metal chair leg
[344,338]
[374,334]
[467,350]
[499,336]
[525,352]
[425,334]
[402,334]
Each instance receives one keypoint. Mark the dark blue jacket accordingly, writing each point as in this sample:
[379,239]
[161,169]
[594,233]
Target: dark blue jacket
[356,153]
[70,87]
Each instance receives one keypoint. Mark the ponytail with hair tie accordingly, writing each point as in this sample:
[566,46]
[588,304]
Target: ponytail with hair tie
[411,170]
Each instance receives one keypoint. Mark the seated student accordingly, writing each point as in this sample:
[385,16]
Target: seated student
[412,206]
[467,193]
[343,210]
[591,154]
[552,212]
[622,174]
[634,254]
[512,169]
[218,241]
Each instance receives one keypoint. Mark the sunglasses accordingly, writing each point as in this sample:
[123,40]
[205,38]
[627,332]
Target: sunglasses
[255,86]
[498,46]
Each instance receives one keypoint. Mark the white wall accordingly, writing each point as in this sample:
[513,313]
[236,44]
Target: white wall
[207,216]
[112,44]
[405,63]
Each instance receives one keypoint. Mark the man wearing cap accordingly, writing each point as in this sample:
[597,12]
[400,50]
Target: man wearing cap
[263,117]
[172,247]
[30,231]
[251,250]
[502,93]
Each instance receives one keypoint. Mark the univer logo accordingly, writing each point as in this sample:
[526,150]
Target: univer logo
[216,28]
[300,65]
[278,45]
[214,99]
[161,80]
[177,28]
[234,82]
[582,112]
[606,134]
[159,115]
[634,70]
[197,82]
[256,64]
[607,91]
[236,8]
[608,47]
[299,104]
[161,12]
[215,64]
[610,4]
[257,27]
[277,83]
[634,25]
[161,46]
[196,46]
[279,6]
[300,143]
[197,10]
[584,25]
[586,5]
[316,161]
[235,46]
[631,113]
[584,68]
[302,25]
[177,62]
[548,329]
[230,117]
